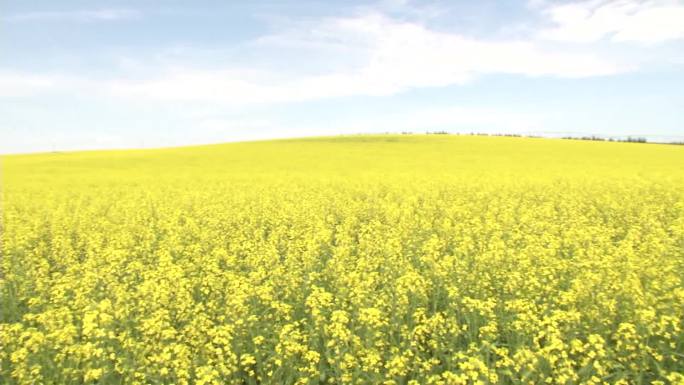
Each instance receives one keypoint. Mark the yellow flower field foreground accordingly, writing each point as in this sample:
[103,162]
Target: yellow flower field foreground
[352,260]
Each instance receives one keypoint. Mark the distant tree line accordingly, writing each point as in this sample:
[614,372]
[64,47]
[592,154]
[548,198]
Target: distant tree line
[629,139]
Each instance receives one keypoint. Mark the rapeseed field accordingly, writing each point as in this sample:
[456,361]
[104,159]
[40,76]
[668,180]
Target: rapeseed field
[351,260]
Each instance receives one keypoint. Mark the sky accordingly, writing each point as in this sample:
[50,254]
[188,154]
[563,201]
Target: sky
[129,74]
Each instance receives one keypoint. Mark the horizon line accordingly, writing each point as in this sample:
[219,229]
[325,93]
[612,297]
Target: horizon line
[565,135]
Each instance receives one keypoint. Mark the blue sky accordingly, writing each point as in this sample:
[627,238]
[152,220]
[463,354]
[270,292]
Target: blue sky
[125,74]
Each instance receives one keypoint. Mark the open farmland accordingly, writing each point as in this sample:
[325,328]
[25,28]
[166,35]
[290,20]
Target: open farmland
[350,260]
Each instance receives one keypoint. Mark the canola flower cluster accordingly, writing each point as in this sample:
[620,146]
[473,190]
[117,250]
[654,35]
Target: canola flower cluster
[360,260]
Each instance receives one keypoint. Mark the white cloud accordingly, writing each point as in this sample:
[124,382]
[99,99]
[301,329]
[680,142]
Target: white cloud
[389,57]
[377,56]
[17,84]
[82,16]
[616,20]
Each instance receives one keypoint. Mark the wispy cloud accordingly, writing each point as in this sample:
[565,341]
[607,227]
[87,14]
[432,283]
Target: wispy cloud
[382,56]
[385,57]
[18,84]
[80,16]
[616,20]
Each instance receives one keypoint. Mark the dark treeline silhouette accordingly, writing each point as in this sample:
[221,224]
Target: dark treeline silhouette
[628,139]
